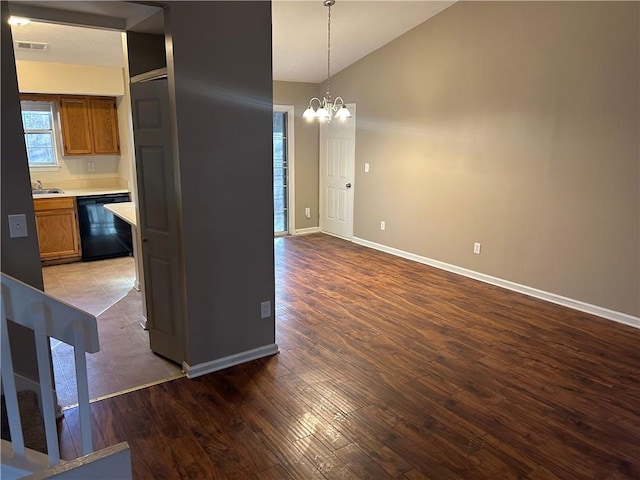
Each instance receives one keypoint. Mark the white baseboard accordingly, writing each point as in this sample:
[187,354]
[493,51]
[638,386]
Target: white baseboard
[193,371]
[349,239]
[306,231]
[532,292]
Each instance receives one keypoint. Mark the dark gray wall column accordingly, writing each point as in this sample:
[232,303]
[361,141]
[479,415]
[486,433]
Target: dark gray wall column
[219,57]
[20,257]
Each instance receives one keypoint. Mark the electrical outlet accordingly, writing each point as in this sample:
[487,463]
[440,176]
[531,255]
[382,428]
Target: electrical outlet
[18,226]
[307,212]
[91,166]
[476,248]
[265,309]
[383,225]
[366,168]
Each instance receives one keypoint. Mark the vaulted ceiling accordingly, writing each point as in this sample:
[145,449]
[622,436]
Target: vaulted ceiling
[358,27]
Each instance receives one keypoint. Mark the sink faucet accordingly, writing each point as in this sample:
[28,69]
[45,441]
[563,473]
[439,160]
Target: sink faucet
[39,184]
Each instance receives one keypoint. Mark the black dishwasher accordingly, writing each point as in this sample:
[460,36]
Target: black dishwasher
[102,234]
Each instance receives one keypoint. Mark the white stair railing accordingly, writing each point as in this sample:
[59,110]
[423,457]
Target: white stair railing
[47,317]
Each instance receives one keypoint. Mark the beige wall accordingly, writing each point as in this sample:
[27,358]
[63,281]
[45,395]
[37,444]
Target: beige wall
[512,124]
[306,149]
[46,77]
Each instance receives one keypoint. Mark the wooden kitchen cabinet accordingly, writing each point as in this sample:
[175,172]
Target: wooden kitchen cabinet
[58,232]
[104,125]
[76,125]
[89,125]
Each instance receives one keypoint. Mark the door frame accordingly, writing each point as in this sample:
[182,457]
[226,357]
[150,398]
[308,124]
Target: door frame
[322,151]
[289,110]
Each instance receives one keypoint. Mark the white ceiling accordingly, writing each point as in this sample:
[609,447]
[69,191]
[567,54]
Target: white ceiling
[69,44]
[358,27]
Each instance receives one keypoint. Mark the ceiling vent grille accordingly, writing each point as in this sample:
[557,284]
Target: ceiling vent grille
[31,45]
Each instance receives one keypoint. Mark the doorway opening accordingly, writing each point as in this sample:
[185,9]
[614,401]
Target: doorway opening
[282,170]
[108,289]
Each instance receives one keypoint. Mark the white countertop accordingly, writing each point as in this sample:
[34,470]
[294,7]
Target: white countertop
[81,192]
[124,210]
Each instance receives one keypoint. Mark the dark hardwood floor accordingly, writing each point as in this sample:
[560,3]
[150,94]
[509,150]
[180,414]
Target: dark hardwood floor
[392,369]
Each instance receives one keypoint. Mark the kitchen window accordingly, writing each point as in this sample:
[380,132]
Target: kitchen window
[39,133]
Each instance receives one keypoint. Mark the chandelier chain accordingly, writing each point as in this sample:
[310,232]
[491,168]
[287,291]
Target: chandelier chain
[329,52]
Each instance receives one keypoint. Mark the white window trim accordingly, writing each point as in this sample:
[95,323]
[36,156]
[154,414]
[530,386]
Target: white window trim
[45,168]
[48,106]
[289,110]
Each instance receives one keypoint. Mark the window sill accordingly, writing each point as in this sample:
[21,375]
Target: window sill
[47,168]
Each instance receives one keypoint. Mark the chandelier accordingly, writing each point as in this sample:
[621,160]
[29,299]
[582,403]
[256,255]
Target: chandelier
[326,109]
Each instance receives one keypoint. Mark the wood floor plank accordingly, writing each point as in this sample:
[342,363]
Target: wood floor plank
[294,462]
[67,447]
[392,369]
[324,460]
[72,439]
[361,464]
[372,443]
[415,474]
[277,472]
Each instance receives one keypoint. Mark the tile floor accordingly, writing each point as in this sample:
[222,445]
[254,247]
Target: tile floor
[105,288]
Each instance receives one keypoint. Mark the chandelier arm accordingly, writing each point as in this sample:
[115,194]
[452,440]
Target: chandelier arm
[317,100]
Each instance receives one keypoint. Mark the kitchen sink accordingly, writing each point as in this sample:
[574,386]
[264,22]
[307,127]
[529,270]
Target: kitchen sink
[46,190]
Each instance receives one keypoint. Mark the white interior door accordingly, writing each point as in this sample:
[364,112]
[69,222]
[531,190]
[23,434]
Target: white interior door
[337,165]
[158,218]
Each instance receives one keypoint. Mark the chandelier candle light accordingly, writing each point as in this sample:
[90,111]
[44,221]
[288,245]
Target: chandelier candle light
[327,109]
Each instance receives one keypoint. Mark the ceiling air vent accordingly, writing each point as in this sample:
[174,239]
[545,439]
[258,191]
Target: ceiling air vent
[31,45]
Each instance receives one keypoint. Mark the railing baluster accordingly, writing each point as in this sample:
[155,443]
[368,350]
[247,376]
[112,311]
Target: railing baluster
[9,386]
[83,388]
[46,384]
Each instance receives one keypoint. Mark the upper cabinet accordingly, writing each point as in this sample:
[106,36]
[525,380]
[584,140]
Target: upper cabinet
[76,125]
[89,125]
[104,125]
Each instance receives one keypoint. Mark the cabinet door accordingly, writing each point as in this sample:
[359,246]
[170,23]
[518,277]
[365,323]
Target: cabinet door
[104,123]
[57,234]
[76,125]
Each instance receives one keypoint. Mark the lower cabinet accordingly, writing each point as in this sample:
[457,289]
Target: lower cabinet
[58,233]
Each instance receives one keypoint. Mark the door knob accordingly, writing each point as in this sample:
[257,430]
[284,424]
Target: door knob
[348,185]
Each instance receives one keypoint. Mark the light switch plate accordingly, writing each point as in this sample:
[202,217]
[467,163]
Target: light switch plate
[18,226]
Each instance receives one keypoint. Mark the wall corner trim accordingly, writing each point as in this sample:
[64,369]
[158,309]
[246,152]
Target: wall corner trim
[619,317]
[193,371]
[306,231]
